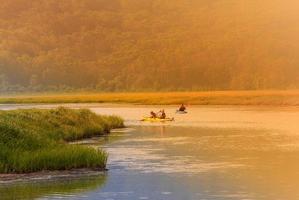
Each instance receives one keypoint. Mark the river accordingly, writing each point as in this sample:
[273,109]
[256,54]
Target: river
[213,152]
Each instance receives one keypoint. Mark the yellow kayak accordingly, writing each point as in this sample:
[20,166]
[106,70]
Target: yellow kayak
[150,119]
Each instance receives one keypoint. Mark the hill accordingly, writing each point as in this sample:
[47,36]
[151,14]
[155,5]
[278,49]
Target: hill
[148,45]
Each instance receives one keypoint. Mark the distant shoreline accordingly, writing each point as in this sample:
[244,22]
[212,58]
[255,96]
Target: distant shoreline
[270,97]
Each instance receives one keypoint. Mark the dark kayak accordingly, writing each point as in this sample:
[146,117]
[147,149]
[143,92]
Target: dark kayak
[181,112]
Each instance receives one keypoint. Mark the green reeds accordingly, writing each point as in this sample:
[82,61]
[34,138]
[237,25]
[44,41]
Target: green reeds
[35,140]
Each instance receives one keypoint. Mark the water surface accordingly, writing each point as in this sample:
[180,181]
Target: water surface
[213,152]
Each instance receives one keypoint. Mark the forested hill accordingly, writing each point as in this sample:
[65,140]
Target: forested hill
[127,45]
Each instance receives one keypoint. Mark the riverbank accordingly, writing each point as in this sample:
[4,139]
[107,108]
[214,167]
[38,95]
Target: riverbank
[273,98]
[41,176]
[36,140]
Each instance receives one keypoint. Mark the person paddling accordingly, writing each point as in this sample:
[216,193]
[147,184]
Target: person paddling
[153,115]
[182,108]
[162,114]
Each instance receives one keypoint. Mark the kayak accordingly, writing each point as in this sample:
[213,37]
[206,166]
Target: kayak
[181,112]
[150,119]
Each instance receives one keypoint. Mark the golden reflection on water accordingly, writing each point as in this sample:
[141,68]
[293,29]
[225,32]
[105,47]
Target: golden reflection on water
[249,151]
[213,152]
[259,163]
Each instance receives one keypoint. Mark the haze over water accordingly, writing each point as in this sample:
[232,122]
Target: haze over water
[213,152]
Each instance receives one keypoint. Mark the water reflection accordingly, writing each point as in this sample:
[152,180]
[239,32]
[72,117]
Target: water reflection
[205,163]
[55,189]
[212,153]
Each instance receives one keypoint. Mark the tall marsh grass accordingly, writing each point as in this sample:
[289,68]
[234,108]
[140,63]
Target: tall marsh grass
[35,140]
[267,97]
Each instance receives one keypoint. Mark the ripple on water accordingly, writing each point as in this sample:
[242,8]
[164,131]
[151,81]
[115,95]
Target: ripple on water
[150,160]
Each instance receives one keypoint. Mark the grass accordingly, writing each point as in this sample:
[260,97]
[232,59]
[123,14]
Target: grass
[274,97]
[35,140]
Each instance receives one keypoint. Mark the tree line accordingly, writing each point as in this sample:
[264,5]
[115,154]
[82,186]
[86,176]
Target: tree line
[148,45]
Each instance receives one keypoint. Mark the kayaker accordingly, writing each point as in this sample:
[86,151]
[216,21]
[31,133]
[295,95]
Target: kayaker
[163,115]
[182,108]
[153,114]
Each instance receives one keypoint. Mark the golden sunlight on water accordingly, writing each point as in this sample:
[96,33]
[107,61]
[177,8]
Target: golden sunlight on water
[251,162]
[214,152]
